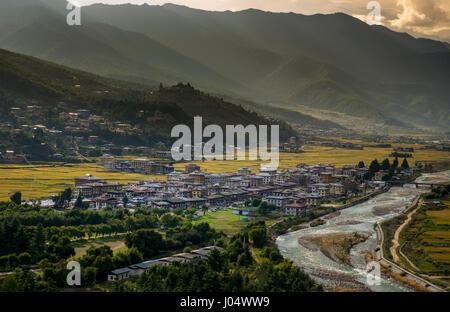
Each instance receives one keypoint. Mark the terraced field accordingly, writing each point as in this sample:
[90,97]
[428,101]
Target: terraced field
[427,241]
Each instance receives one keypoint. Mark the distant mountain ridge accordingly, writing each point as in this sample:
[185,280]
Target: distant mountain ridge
[333,62]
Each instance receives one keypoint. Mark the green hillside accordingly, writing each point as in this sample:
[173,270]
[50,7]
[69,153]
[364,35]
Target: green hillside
[24,79]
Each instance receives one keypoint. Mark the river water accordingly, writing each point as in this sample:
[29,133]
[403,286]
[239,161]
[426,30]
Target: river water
[360,218]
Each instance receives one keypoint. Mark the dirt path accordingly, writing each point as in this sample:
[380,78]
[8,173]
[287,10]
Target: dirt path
[395,240]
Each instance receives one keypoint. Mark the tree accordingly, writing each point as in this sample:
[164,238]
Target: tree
[66,195]
[361,164]
[204,209]
[79,203]
[256,202]
[385,165]
[104,264]
[125,200]
[13,261]
[60,247]
[24,258]
[258,236]
[395,163]
[374,167]
[178,211]
[16,198]
[405,164]
[63,198]
[9,284]
[4,261]
[89,276]
[169,220]
[148,242]
[264,208]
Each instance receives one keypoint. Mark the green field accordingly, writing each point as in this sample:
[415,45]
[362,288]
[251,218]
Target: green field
[115,243]
[226,221]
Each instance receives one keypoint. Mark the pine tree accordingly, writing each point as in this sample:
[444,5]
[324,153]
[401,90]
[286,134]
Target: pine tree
[79,203]
[3,251]
[405,164]
[38,246]
[16,198]
[395,163]
[374,167]
[21,243]
[385,165]
[361,164]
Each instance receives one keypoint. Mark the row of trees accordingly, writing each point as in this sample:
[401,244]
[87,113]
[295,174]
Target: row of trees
[385,165]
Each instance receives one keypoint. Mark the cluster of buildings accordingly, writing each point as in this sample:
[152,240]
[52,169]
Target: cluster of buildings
[80,126]
[140,268]
[292,191]
[139,165]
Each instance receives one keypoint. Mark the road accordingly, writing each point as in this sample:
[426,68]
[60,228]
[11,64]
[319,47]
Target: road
[395,241]
[397,269]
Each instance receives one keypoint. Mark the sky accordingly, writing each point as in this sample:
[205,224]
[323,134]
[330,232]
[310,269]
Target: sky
[420,18]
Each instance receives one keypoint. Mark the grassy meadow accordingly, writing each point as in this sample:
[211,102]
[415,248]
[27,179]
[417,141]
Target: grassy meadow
[226,221]
[116,244]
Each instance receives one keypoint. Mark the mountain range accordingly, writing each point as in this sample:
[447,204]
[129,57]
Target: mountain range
[25,80]
[328,62]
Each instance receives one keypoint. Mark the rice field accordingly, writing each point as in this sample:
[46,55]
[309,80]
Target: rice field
[440,216]
[41,180]
[440,254]
[318,154]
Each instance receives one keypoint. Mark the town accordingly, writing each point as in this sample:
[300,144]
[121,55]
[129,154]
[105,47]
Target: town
[290,192]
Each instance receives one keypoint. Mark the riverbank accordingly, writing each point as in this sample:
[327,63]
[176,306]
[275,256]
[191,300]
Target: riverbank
[294,224]
[416,237]
[335,246]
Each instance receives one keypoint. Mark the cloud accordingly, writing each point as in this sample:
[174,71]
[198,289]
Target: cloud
[427,17]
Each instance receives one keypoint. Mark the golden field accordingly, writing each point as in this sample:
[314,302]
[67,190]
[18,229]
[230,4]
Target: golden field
[319,154]
[42,180]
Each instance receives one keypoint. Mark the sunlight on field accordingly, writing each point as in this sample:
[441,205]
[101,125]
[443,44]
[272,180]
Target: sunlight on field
[223,220]
[40,181]
[441,237]
[314,155]
[440,216]
[115,244]
[226,221]
[441,254]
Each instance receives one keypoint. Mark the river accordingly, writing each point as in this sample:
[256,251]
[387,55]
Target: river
[359,218]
